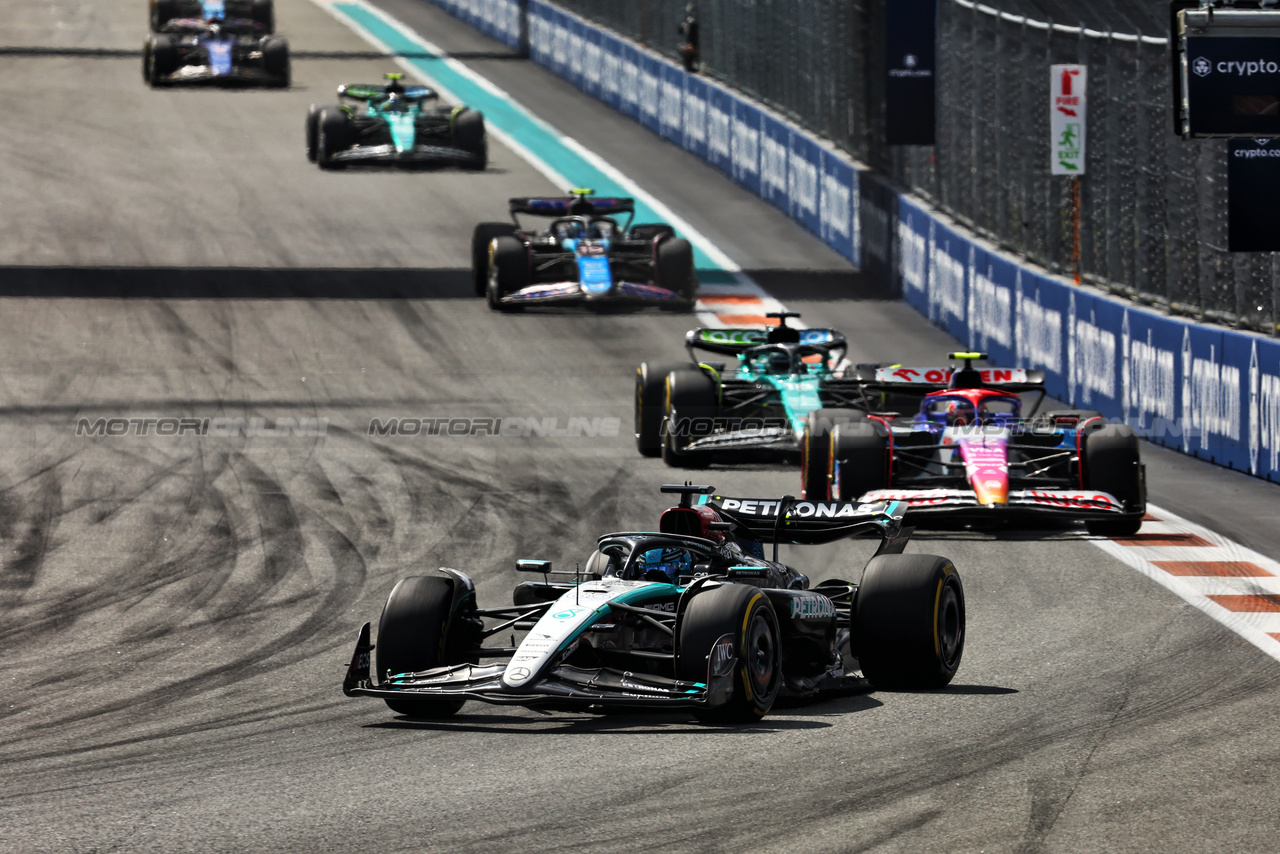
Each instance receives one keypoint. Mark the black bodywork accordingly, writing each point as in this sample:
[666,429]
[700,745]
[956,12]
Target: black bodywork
[235,51]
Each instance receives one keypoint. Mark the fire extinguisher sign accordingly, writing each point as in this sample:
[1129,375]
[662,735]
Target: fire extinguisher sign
[1066,123]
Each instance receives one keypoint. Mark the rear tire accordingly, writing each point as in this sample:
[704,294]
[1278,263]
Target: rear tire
[651,384]
[264,13]
[673,270]
[508,271]
[746,614]
[690,400]
[859,460]
[313,131]
[159,58]
[815,450]
[1113,463]
[908,621]
[483,234]
[413,636]
[275,61]
[334,135]
[469,135]
[162,11]
[648,231]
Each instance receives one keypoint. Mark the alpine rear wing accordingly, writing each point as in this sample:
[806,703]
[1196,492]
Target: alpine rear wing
[578,205]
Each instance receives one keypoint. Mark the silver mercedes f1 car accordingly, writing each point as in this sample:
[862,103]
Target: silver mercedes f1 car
[691,616]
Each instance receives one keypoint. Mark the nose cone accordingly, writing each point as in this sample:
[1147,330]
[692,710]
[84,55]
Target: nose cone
[986,463]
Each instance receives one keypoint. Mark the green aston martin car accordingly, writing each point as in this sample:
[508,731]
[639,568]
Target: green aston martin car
[781,397]
[394,125]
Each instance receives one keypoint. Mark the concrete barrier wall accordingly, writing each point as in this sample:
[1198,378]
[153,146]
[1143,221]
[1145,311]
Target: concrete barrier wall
[1204,390]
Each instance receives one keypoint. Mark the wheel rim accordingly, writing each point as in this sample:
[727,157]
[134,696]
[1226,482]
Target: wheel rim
[950,628]
[760,654]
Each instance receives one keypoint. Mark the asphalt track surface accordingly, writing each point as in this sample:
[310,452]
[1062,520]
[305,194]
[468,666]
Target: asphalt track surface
[177,612]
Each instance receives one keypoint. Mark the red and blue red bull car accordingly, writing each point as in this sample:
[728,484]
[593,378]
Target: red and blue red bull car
[688,617]
[585,256]
[971,452]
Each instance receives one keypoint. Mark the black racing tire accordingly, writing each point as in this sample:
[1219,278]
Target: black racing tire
[1112,463]
[815,450]
[313,130]
[651,230]
[334,135]
[673,270]
[859,459]
[908,622]
[413,636]
[469,135]
[508,270]
[690,400]
[746,614]
[159,58]
[275,60]
[483,234]
[162,12]
[650,406]
[1081,416]
[264,13]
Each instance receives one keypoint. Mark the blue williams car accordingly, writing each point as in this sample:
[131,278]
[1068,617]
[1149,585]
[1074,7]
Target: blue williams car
[215,50]
[261,12]
[585,256]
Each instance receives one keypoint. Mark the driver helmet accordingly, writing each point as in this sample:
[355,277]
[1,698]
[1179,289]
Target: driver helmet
[778,363]
[570,229]
[665,564]
[959,414]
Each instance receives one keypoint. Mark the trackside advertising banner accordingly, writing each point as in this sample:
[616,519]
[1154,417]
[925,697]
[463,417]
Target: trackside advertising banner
[1207,391]
[499,19]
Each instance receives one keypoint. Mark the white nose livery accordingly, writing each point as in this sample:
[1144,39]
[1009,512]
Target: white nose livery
[571,614]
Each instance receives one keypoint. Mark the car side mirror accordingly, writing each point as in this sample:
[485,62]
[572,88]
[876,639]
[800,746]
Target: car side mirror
[541,566]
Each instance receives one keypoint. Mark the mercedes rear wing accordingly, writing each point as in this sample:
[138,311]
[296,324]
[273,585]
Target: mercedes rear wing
[797,522]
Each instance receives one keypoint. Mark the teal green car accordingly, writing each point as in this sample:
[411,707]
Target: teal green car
[781,397]
[395,125]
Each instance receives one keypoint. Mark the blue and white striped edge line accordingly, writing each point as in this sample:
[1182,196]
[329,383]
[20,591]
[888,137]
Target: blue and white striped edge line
[726,296]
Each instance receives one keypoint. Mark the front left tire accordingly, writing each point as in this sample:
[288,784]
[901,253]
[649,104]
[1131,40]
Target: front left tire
[159,58]
[741,615]
[413,635]
[481,237]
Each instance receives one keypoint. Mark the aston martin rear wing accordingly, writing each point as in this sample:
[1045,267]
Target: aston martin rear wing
[731,342]
[372,92]
[788,520]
